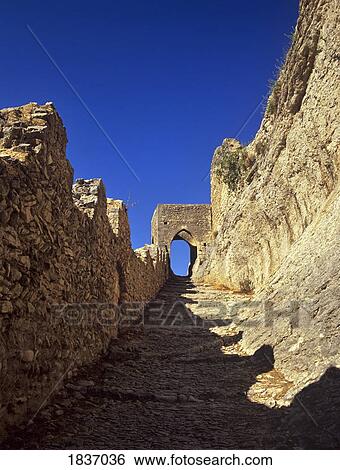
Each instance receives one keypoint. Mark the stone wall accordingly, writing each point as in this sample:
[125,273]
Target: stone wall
[189,222]
[65,262]
[170,219]
[275,206]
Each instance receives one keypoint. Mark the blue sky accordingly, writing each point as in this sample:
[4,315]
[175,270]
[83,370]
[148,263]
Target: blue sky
[167,80]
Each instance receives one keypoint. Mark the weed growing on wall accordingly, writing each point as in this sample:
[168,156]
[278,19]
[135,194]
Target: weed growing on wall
[231,167]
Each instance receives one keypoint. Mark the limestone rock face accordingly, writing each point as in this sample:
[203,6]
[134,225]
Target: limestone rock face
[277,230]
[66,262]
[298,311]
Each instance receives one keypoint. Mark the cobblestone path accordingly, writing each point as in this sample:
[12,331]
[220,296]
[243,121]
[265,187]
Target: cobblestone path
[180,385]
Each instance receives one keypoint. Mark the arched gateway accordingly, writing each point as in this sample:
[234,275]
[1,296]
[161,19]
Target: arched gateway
[188,222]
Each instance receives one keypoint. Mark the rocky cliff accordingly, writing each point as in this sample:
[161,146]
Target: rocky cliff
[275,206]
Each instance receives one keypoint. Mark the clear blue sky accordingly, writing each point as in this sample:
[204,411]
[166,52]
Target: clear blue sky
[167,80]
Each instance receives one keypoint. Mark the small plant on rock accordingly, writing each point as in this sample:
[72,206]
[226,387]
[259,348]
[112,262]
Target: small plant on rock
[231,167]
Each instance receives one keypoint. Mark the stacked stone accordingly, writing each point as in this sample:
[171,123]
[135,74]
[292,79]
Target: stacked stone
[64,254]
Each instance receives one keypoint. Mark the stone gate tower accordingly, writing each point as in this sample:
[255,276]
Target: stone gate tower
[188,222]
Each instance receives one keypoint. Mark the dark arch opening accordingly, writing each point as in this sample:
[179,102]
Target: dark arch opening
[183,253]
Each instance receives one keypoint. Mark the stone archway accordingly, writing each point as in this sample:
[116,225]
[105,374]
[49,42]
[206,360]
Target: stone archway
[188,222]
[187,237]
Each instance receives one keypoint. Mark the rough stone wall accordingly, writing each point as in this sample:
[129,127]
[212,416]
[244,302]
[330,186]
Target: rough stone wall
[65,262]
[169,219]
[277,231]
[189,222]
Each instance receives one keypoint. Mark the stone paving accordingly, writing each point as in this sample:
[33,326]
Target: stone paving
[183,384]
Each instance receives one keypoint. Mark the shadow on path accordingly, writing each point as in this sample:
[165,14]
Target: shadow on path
[174,388]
